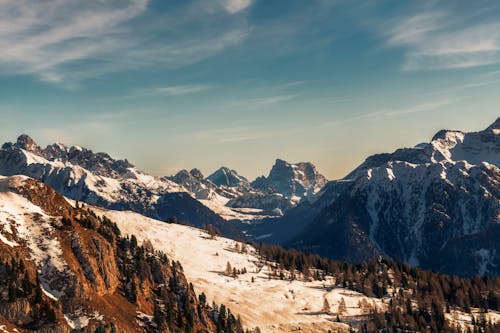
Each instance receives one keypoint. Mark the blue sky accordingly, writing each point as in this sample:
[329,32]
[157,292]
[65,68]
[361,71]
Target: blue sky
[205,83]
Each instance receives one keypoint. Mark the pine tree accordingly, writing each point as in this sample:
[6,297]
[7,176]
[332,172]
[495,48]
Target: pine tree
[326,305]
[342,307]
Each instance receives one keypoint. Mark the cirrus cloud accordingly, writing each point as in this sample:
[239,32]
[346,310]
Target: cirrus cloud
[62,41]
[439,38]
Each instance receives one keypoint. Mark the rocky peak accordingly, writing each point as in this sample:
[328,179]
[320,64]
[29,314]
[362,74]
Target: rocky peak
[181,177]
[447,135]
[196,173]
[226,177]
[292,180]
[25,142]
[495,127]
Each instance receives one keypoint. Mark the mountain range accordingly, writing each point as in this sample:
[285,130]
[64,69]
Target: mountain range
[90,244]
[66,266]
[435,205]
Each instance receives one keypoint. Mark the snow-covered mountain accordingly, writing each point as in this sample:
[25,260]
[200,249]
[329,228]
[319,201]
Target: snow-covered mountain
[98,179]
[436,205]
[294,181]
[227,177]
[286,186]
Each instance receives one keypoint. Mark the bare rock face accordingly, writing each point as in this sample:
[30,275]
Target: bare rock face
[18,312]
[98,263]
[27,143]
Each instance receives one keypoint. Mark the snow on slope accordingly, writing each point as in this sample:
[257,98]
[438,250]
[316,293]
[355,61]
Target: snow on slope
[100,180]
[23,222]
[273,305]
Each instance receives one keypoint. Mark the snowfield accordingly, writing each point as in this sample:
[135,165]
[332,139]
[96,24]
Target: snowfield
[272,305]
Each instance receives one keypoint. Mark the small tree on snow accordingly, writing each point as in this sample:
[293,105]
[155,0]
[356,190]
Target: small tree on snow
[229,269]
[326,305]
[342,307]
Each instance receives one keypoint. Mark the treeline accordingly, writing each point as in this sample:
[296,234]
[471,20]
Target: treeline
[418,299]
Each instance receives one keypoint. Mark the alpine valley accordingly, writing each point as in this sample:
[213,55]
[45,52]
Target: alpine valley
[408,240]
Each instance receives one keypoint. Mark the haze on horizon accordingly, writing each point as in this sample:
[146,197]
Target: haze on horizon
[184,84]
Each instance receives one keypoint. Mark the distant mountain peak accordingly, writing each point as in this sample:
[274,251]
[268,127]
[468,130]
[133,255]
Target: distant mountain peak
[495,127]
[196,173]
[226,177]
[25,142]
[292,180]
[447,135]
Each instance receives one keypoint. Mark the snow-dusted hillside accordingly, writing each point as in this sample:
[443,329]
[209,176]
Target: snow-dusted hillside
[273,305]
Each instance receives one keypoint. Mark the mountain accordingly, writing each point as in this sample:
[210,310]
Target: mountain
[226,177]
[64,269]
[71,267]
[436,205]
[98,179]
[234,198]
[294,181]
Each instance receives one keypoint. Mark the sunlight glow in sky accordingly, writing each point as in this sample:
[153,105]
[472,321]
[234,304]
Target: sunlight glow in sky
[172,84]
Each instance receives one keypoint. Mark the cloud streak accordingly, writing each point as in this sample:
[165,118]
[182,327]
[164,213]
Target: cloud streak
[182,90]
[69,41]
[234,6]
[437,39]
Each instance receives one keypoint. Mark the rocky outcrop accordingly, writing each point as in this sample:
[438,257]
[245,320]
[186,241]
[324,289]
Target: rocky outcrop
[97,259]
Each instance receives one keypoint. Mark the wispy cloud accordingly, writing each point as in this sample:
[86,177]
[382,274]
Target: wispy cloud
[182,90]
[445,39]
[234,6]
[272,99]
[424,107]
[396,112]
[61,41]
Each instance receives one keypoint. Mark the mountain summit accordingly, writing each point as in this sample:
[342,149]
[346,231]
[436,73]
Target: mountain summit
[226,177]
[294,181]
